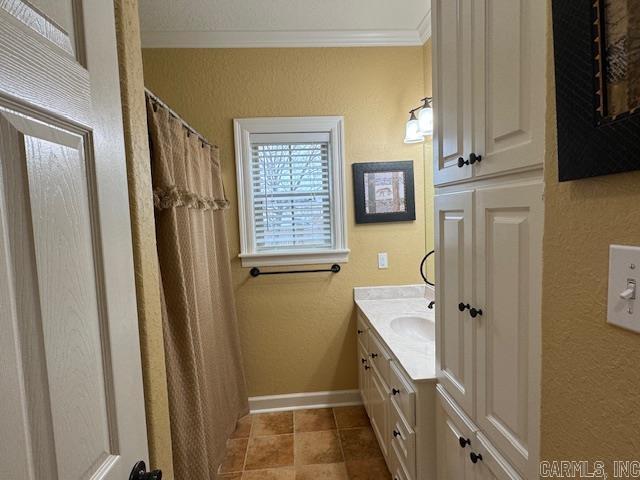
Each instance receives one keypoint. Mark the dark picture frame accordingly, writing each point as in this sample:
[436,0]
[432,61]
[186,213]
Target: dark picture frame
[384,192]
[592,141]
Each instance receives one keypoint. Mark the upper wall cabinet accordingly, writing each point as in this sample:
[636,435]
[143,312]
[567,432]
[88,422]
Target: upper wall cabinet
[452,85]
[489,87]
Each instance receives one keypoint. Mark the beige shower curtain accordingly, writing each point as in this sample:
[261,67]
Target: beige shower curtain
[207,392]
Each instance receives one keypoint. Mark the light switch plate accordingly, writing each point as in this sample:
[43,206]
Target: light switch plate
[383,260]
[624,274]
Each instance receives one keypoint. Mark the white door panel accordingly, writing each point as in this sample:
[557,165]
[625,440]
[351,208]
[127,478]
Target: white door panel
[510,79]
[452,89]
[71,376]
[509,259]
[454,284]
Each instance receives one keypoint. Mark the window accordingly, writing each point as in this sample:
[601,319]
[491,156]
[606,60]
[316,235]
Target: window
[291,190]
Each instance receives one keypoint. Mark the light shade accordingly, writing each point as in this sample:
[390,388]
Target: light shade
[412,133]
[425,121]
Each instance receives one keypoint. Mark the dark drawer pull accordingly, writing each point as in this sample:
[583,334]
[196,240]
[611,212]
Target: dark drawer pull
[374,355]
[363,360]
[367,367]
[475,312]
[464,442]
[360,332]
[475,457]
[397,434]
[395,391]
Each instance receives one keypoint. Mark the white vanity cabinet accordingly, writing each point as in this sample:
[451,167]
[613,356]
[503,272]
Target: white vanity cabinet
[402,412]
[489,101]
[489,59]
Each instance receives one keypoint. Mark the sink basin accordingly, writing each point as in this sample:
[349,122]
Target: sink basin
[414,327]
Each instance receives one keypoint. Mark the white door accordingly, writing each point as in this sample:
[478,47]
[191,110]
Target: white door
[454,285]
[509,224]
[509,74]
[71,401]
[456,441]
[452,89]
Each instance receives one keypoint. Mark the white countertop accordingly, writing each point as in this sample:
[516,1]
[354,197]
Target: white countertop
[380,305]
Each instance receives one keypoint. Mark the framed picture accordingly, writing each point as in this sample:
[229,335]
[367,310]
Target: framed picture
[384,192]
[597,63]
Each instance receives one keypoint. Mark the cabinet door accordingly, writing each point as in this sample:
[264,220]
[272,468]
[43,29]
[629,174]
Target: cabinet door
[452,88]
[454,277]
[363,375]
[379,400]
[453,455]
[509,83]
[509,263]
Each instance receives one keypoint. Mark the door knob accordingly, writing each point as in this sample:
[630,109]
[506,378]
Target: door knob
[139,472]
[475,457]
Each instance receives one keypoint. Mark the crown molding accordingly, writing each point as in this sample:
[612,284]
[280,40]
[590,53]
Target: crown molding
[424,28]
[279,39]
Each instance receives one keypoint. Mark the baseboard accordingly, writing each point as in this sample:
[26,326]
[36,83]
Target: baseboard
[300,401]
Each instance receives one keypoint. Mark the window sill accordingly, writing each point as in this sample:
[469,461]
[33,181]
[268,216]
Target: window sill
[274,259]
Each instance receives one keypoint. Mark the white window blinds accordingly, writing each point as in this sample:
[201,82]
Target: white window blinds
[291,190]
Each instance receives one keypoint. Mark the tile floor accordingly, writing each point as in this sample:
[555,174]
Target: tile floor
[324,444]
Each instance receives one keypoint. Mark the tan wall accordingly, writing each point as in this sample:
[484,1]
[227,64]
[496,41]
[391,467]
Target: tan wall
[143,232]
[298,331]
[590,376]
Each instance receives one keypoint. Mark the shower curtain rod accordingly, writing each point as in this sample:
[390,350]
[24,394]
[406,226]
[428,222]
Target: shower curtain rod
[172,112]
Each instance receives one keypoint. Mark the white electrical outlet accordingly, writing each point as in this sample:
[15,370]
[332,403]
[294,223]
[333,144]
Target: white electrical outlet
[383,260]
[624,274]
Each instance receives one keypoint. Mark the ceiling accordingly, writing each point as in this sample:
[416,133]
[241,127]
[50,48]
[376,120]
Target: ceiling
[282,23]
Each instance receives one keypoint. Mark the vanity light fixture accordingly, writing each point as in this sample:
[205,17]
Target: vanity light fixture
[422,125]
[425,117]
[412,134]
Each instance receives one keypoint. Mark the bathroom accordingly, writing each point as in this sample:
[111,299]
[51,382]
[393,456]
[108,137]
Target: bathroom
[296,240]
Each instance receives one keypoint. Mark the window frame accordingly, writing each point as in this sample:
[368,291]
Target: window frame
[243,129]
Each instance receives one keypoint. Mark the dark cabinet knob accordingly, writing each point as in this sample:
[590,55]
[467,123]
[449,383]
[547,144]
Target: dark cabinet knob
[474,312]
[139,472]
[473,158]
[360,332]
[363,360]
[374,355]
[464,442]
[395,391]
[367,367]
[396,434]
[475,457]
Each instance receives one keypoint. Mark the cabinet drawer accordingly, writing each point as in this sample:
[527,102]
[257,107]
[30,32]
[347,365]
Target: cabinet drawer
[380,357]
[403,438]
[403,393]
[398,471]
[362,331]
